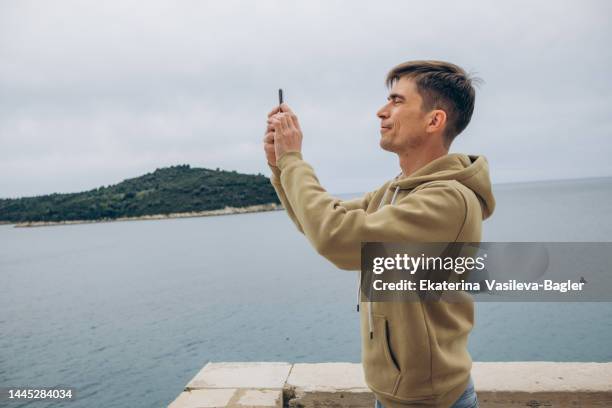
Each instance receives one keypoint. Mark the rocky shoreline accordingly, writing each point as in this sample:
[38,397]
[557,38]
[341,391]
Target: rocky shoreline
[222,211]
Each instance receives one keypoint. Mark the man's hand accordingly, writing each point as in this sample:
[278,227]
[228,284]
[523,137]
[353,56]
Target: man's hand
[269,140]
[283,133]
[269,146]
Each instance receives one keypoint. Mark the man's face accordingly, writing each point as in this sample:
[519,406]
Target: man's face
[403,122]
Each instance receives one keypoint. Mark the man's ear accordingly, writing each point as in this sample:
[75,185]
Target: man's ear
[437,120]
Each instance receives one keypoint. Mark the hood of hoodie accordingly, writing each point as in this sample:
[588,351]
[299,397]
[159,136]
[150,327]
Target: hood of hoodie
[470,170]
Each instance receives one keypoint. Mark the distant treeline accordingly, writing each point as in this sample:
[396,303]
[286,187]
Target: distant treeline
[168,190]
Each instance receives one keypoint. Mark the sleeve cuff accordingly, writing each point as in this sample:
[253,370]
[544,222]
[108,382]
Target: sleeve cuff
[275,171]
[287,158]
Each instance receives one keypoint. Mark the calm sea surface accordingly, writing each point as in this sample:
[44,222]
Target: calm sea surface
[128,312]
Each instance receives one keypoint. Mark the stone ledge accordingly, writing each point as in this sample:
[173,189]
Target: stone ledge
[513,384]
[241,375]
[229,397]
[542,377]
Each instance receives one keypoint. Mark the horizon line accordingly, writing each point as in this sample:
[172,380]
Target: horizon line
[539,181]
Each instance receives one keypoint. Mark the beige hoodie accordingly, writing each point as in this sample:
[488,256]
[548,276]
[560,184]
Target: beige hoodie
[413,354]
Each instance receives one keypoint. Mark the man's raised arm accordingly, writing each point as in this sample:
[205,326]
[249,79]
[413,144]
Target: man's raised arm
[357,203]
[432,214]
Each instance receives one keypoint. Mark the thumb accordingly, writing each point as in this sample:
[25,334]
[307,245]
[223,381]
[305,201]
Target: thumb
[285,108]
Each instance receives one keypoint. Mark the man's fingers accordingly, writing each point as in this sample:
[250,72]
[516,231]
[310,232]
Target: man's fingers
[269,138]
[284,120]
[286,108]
[273,111]
[294,121]
[276,125]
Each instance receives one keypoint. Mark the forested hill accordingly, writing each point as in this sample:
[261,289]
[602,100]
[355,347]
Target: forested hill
[174,189]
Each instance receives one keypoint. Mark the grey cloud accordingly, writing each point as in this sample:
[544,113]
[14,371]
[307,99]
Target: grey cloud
[94,92]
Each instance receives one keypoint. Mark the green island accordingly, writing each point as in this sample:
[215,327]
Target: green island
[170,192]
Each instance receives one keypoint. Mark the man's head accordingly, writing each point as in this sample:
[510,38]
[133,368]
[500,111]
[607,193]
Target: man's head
[430,102]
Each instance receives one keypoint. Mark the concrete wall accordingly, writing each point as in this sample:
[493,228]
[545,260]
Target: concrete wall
[278,385]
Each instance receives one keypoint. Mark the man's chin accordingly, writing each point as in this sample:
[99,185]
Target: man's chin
[385,145]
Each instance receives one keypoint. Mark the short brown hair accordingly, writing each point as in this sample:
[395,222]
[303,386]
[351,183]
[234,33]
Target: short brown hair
[442,85]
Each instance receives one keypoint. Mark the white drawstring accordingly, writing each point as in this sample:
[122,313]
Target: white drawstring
[394,194]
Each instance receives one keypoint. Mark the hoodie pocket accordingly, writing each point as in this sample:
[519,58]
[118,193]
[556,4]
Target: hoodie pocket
[380,368]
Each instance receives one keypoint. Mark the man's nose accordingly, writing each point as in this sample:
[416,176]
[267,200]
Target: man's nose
[382,112]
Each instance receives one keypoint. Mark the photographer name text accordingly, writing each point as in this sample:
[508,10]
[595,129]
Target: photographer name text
[490,285]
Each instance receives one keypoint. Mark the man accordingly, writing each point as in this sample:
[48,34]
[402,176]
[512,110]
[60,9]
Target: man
[414,354]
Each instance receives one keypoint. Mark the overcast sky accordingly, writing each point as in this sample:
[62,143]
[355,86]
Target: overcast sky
[93,92]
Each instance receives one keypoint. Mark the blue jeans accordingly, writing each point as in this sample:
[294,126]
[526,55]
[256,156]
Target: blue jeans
[467,400]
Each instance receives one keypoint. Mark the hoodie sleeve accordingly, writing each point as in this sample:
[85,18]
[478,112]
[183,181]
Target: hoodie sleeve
[275,180]
[431,214]
[357,203]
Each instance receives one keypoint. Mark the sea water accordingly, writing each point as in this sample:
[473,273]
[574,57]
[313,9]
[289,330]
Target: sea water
[128,312]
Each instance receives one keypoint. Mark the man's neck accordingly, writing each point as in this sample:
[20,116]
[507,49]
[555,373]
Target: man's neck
[411,162]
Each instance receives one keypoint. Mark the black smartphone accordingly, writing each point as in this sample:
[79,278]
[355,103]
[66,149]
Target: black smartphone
[280,96]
